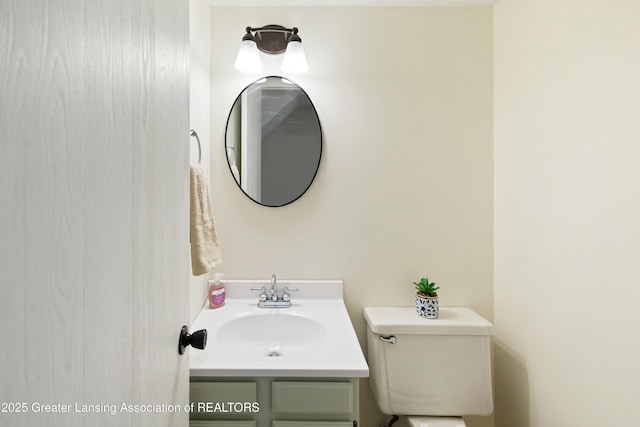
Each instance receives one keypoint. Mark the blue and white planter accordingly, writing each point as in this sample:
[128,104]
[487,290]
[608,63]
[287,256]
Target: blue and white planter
[427,307]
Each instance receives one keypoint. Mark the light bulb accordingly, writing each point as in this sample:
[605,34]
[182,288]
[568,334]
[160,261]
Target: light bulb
[295,61]
[248,58]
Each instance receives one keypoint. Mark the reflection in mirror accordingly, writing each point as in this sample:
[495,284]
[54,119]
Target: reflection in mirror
[273,141]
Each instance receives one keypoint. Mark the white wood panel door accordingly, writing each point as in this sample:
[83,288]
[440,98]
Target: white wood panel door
[94,212]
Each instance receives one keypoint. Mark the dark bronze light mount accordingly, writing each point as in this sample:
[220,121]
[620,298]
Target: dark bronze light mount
[271,39]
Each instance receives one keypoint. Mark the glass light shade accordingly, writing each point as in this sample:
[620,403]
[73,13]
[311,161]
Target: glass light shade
[248,58]
[295,61]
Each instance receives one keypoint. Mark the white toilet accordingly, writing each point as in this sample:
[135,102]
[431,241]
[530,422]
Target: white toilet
[432,370]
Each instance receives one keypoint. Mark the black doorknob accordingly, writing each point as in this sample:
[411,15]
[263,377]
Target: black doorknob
[197,340]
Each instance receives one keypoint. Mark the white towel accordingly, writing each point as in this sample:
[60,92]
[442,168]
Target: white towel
[205,251]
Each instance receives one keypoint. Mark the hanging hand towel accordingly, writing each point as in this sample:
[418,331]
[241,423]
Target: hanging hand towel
[205,252]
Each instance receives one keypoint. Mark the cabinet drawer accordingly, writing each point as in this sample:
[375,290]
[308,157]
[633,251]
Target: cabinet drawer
[212,400]
[313,398]
[312,424]
[194,423]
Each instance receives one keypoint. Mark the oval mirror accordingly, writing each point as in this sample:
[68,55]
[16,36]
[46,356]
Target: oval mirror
[273,141]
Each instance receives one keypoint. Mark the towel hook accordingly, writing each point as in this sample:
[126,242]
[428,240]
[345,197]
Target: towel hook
[194,133]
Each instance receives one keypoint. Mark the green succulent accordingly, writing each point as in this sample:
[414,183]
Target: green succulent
[426,288]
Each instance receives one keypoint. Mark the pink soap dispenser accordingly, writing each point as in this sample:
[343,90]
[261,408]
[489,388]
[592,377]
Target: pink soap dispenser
[217,291]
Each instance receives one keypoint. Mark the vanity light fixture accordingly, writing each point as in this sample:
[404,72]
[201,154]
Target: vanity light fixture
[272,39]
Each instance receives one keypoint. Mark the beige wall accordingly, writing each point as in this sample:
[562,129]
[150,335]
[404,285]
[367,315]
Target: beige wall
[567,209]
[199,113]
[405,183]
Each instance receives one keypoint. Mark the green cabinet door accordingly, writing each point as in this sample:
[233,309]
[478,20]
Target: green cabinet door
[332,400]
[211,423]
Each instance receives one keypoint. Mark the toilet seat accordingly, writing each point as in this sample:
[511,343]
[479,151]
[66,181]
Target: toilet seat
[436,422]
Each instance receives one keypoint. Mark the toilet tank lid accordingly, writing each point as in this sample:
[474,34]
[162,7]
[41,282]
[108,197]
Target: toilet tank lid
[405,320]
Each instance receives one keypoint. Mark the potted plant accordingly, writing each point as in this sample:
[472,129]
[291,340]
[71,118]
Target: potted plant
[426,298]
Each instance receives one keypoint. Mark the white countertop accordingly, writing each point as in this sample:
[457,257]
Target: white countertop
[323,344]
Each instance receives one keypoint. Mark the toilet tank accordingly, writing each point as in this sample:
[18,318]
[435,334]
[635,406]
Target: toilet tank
[424,366]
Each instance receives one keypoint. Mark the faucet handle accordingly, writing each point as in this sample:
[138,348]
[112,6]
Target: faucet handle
[285,293]
[263,293]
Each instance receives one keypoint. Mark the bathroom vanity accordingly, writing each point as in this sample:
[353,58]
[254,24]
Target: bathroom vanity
[277,402]
[277,367]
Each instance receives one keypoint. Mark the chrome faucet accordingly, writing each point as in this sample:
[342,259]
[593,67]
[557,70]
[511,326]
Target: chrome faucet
[272,299]
[274,288]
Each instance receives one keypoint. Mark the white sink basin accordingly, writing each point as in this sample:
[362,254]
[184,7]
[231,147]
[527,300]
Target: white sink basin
[271,333]
[313,338]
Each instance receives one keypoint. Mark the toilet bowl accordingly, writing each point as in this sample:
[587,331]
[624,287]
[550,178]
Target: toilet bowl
[436,422]
[434,371]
